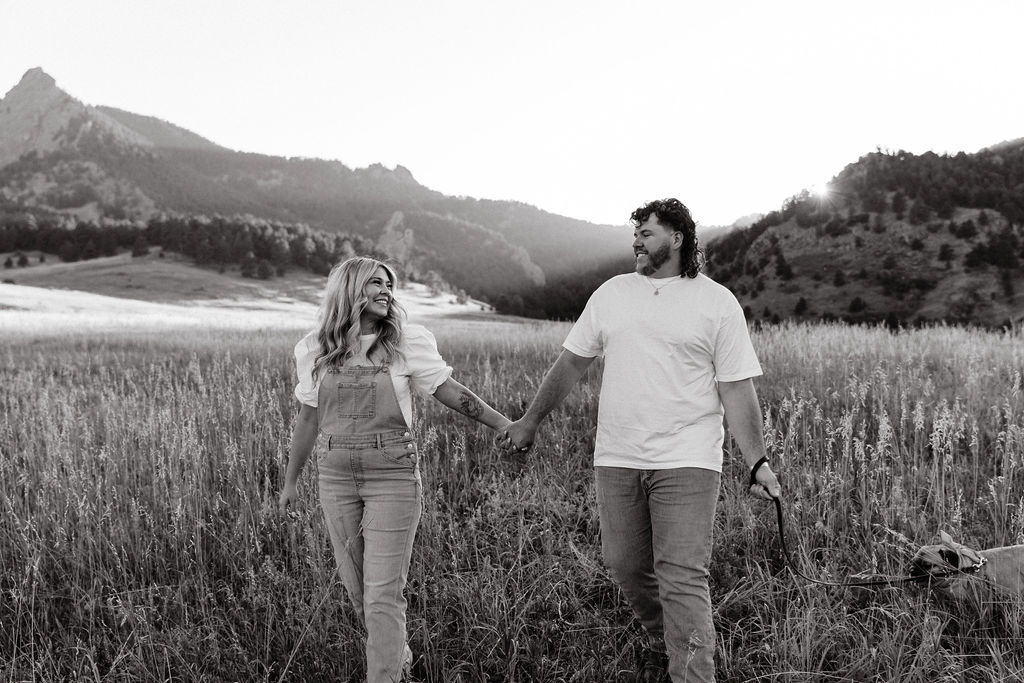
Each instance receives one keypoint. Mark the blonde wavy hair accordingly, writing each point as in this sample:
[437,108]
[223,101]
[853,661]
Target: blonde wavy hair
[340,309]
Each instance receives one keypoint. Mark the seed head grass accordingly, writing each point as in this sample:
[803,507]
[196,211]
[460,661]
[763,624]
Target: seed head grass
[140,538]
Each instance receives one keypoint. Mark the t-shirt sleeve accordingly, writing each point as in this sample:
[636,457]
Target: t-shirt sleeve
[584,339]
[307,390]
[735,358]
[427,369]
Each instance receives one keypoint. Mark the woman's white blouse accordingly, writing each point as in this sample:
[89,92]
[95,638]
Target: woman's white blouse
[418,365]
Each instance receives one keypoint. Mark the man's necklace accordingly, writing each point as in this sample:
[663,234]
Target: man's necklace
[657,289]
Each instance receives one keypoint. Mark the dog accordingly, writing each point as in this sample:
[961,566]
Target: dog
[960,572]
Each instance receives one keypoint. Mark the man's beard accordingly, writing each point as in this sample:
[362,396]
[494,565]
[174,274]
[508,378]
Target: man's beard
[655,259]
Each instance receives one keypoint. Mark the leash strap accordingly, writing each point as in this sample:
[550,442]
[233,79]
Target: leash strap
[886,581]
[891,581]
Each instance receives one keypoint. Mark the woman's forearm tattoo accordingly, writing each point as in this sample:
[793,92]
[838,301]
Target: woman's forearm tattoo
[469,405]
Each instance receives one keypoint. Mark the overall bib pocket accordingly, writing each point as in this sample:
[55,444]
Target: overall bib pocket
[357,399]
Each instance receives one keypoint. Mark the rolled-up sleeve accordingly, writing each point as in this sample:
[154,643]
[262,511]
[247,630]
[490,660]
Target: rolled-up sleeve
[306,391]
[427,369]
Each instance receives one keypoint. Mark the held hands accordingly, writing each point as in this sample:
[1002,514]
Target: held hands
[763,482]
[518,437]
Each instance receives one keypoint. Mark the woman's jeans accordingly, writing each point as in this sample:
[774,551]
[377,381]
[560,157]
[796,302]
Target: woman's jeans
[370,491]
[656,536]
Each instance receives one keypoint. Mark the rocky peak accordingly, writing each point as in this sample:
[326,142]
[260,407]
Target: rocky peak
[379,171]
[36,90]
[37,116]
[35,80]
[32,115]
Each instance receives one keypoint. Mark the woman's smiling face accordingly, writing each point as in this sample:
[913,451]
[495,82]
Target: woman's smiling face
[379,294]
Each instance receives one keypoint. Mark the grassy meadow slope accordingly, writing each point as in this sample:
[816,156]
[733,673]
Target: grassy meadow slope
[170,279]
[141,540]
[170,291]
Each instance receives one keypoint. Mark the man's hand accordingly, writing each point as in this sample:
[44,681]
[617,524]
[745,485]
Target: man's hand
[767,486]
[519,436]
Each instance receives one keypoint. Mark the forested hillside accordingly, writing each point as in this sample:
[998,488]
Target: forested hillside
[898,237]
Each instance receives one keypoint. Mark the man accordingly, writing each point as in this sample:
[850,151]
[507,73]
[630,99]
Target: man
[677,356]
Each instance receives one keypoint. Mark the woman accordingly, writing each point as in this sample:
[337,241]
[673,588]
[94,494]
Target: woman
[355,375]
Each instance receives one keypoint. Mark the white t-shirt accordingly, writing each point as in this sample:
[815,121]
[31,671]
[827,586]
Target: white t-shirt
[659,405]
[418,365]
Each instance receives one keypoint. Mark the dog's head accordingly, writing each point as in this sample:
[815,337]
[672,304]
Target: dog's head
[944,558]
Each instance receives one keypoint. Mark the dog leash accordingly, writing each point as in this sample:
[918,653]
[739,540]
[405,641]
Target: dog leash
[887,581]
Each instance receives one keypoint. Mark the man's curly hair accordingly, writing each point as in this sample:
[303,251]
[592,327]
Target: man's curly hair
[674,215]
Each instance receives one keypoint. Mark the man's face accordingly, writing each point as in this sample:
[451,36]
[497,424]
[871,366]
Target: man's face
[652,247]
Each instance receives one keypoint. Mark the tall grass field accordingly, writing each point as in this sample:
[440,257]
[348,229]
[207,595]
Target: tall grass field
[140,538]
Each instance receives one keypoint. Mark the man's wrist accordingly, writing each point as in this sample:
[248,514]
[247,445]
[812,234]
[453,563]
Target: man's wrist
[757,462]
[531,421]
[761,462]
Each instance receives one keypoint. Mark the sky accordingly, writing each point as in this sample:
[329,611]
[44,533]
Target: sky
[584,108]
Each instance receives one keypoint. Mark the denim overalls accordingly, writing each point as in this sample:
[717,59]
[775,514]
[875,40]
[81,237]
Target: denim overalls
[370,491]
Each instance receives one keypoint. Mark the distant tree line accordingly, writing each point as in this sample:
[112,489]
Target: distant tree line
[562,297]
[264,249]
[260,248]
[990,179]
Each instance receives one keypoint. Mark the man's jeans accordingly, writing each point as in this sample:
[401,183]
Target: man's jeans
[370,493]
[656,536]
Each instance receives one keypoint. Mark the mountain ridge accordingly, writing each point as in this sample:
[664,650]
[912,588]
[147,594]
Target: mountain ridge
[900,238]
[71,162]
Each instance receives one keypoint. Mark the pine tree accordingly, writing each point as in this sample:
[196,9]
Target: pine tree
[248,265]
[140,247]
[899,203]
[264,269]
[68,252]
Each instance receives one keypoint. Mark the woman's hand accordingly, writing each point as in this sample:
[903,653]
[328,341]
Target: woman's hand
[289,496]
[303,440]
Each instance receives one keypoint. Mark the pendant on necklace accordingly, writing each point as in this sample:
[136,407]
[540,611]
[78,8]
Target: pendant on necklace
[655,292]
